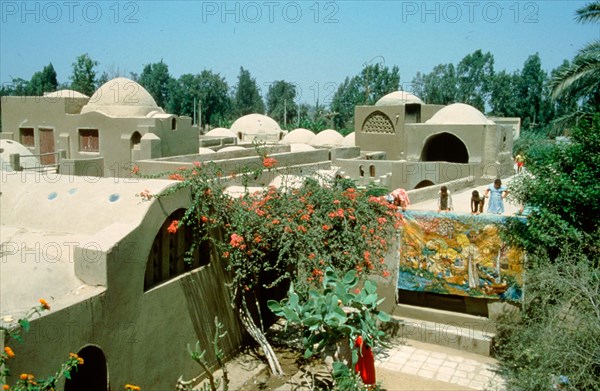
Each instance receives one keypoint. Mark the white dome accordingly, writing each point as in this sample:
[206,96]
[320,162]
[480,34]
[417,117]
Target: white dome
[205,151]
[459,114]
[287,182]
[231,149]
[65,94]
[328,137]
[220,132]
[10,147]
[298,136]
[349,140]
[299,147]
[398,98]
[256,126]
[122,97]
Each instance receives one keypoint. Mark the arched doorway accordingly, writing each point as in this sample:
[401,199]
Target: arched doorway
[92,375]
[424,183]
[445,147]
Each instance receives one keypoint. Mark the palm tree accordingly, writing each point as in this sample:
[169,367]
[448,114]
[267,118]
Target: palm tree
[580,80]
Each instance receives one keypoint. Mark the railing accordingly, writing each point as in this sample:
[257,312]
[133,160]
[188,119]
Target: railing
[15,162]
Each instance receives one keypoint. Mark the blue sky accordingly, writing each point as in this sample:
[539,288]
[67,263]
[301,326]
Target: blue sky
[315,44]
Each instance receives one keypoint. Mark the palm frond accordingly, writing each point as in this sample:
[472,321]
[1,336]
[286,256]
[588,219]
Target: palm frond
[581,77]
[589,13]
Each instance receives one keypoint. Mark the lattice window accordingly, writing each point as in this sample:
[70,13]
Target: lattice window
[378,122]
[167,255]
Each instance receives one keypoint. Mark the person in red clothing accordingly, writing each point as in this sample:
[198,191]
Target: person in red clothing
[366,362]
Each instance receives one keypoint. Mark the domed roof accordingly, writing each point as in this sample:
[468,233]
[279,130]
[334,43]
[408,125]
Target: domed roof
[299,147]
[398,98]
[65,94]
[255,124]
[349,140]
[10,147]
[298,136]
[231,148]
[220,132]
[459,114]
[122,97]
[328,137]
[205,151]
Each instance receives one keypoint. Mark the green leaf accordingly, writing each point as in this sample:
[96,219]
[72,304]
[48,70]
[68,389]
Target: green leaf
[68,375]
[275,307]
[350,278]
[24,324]
[370,287]
[370,299]
[311,321]
[383,316]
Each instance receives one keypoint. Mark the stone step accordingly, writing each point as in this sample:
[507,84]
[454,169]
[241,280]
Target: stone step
[452,332]
[459,319]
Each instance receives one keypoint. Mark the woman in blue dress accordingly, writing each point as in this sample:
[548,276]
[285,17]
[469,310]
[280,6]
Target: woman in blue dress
[496,194]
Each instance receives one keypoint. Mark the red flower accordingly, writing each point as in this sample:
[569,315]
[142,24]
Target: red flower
[135,169]
[197,164]
[236,240]
[326,227]
[173,227]
[311,256]
[385,274]
[226,254]
[302,228]
[204,219]
[269,162]
[176,177]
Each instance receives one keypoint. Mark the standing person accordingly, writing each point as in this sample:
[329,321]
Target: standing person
[477,203]
[496,194]
[444,200]
[520,160]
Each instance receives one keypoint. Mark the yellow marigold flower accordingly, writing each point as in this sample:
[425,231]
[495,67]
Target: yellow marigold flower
[23,376]
[80,360]
[44,304]
[9,352]
[131,387]
[6,387]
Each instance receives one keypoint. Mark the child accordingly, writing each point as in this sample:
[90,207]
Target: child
[477,203]
[496,193]
[444,200]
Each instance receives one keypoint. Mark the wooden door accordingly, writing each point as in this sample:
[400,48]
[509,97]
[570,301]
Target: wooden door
[47,146]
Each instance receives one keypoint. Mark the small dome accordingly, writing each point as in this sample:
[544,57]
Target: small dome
[398,98]
[220,132]
[298,136]
[327,137]
[301,147]
[10,147]
[287,182]
[65,94]
[349,140]
[122,97]
[231,149]
[205,151]
[459,114]
[256,126]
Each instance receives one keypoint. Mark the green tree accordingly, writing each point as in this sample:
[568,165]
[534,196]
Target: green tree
[44,81]
[373,82]
[581,79]
[531,93]
[247,99]
[207,90]
[281,105]
[503,100]
[83,78]
[474,74]
[438,87]
[155,78]
[345,98]
[377,80]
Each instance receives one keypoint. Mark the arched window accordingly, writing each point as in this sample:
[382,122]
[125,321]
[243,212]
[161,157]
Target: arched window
[173,123]
[92,375]
[169,251]
[361,171]
[372,171]
[136,139]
